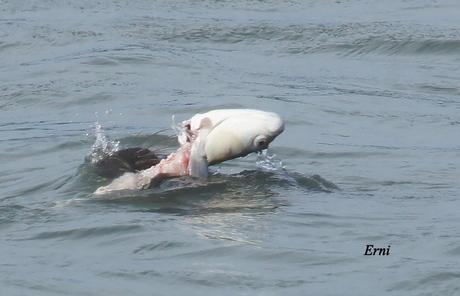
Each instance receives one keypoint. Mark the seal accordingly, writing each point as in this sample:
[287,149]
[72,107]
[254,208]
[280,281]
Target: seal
[126,160]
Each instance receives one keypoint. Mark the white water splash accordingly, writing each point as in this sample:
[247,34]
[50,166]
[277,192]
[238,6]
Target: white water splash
[179,130]
[269,162]
[102,146]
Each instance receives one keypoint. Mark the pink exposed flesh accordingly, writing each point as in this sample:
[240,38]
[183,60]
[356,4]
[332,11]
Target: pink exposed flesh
[175,165]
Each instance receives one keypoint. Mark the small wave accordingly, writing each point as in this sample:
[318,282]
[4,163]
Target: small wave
[347,39]
[162,245]
[385,46]
[9,45]
[401,47]
[86,232]
[285,179]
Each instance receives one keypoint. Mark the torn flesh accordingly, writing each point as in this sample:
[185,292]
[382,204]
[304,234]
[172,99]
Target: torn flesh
[175,165]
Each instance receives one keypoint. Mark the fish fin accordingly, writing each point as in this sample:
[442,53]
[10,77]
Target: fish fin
[198,164]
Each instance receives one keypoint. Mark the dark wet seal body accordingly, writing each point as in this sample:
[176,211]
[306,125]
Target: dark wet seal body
[126,160]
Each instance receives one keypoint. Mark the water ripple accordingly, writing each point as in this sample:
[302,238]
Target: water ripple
[80,233]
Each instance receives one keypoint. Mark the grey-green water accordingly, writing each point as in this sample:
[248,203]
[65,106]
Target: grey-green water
[370,94]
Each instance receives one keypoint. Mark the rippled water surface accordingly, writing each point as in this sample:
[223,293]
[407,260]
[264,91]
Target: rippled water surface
[370,94]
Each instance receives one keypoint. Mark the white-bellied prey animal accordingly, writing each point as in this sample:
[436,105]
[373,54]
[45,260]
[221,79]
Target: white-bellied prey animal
[205,139]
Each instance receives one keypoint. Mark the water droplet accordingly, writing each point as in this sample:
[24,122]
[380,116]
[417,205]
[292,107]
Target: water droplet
[102,145]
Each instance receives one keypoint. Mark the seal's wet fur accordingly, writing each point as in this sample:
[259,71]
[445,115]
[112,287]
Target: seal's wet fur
[126,160]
